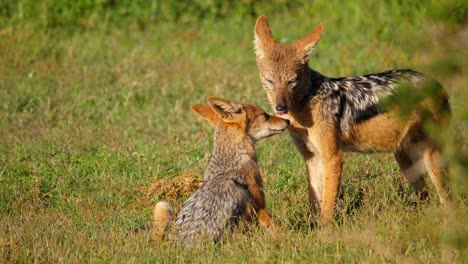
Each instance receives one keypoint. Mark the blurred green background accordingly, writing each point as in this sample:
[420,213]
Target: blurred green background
[95,109]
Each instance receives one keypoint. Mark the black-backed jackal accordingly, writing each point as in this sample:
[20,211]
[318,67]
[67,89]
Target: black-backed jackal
[329,115]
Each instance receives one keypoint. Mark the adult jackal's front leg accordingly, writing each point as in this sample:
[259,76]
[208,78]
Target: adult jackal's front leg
[314,171]
[332,164]
[324,173]
[315,186]
[331,184]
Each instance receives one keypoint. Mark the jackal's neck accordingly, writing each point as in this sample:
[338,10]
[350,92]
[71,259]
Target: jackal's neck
[317,82]
[234,151]
[312,85]
[233,145]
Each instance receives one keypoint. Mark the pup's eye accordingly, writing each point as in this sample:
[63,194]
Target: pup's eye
[292,81]
[270,82]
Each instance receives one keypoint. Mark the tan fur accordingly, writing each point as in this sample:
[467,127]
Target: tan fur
[162,216]
[284,74]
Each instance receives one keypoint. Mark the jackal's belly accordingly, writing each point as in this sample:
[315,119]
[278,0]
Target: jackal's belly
[381,133]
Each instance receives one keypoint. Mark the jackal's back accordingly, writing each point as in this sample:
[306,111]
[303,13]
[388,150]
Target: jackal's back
[356,99]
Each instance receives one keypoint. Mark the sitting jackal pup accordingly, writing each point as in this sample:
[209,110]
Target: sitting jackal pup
[329,115]
[232,190]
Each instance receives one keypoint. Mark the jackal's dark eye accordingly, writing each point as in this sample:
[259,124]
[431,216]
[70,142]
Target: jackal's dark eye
[266,116]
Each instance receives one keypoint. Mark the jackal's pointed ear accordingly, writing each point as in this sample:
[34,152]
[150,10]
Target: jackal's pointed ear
[263,36]
[226,110]
[305,46]
[206,112]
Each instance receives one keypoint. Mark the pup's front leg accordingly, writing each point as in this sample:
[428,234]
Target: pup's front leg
[259,206]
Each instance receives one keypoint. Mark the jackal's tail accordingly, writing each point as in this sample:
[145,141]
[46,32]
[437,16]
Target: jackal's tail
[162,217]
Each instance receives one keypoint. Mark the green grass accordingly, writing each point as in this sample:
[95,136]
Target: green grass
[91,114]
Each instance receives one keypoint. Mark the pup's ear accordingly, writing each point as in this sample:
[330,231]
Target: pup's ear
[206,112]
[305,46]
[263,36]
[226,110]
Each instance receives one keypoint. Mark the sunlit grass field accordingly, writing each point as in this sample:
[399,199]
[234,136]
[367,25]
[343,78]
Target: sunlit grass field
[92,115]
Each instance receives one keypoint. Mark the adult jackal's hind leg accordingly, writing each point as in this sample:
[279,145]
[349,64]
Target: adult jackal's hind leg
[418,158]
[436,171]
[412,168]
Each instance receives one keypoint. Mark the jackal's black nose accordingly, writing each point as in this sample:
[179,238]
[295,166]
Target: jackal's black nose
[281,109]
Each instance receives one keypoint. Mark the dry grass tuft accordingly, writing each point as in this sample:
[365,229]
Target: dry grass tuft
[171,189]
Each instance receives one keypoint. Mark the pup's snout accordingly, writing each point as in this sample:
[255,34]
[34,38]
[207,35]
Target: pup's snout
[281,109]
[286,123]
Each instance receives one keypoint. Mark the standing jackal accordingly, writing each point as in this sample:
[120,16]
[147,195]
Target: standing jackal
[329,115]
[232,190]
